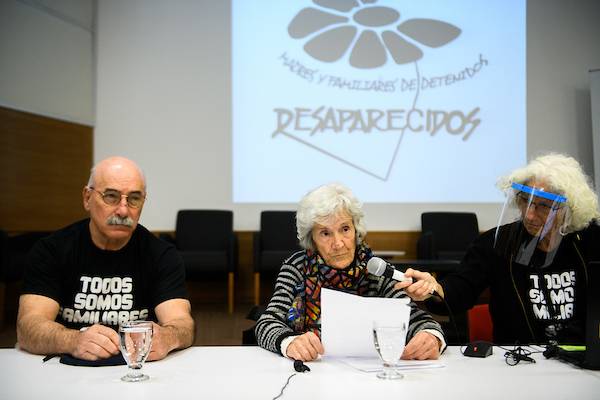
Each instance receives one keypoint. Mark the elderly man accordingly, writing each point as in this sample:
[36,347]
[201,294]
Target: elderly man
[535,262]
[86,279]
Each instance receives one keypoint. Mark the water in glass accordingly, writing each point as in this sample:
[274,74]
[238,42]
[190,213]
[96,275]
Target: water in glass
[389,343]
[135,343]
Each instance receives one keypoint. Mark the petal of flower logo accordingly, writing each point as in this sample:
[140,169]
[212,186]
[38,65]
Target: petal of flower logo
[371,33]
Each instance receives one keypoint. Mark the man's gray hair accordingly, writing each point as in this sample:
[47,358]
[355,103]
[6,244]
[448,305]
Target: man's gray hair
[566,177]
[323,203]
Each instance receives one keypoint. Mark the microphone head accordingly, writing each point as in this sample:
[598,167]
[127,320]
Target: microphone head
[300,367]
[376,266]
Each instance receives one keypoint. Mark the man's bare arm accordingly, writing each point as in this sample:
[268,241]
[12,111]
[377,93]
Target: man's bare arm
[175,329]
[36,330]
[38,333]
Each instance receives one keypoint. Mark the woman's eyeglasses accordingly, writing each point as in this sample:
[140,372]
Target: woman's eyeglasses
[541,207]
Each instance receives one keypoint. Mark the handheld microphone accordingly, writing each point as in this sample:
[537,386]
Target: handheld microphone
[378,267]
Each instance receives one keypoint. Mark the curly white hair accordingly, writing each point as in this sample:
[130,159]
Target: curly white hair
[566,177]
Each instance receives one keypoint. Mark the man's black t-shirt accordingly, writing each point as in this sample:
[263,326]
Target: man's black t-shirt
[100,286]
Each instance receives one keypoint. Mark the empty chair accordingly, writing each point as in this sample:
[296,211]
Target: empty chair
[206,242]
[276,240]
[13,261]
[3,266]
[14,250]
[446,235]
[248,335]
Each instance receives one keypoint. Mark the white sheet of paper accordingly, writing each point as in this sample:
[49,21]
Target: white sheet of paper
[347,321]
[370,364]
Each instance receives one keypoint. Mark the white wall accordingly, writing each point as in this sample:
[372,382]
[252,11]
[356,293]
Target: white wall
[563,44]
[175,56]
[46,58]
[182,137]
[595,107]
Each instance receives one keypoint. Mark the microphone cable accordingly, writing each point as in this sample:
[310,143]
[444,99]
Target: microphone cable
[299,367]
[284,386]
[519,353]
[450,316]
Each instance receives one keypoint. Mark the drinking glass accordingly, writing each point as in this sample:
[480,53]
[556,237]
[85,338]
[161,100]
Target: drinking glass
[135,342]
[389,342]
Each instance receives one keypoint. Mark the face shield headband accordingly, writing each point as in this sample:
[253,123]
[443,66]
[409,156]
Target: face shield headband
[531,219]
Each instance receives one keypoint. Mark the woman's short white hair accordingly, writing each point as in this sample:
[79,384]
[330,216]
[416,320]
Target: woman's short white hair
[566,177]
[323,203]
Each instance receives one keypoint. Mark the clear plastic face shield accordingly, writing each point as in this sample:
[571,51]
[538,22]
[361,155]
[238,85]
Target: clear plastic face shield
[531,225]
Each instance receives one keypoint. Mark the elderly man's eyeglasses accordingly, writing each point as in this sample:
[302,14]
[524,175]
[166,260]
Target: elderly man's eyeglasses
[113,197]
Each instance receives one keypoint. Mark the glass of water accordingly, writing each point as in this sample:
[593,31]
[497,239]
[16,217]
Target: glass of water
[389,342]
[135,342]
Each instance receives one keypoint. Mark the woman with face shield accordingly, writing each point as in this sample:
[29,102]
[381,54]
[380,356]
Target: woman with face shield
[534,262]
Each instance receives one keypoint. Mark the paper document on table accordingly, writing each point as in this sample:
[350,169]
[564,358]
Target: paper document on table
[347,321]
[372,364]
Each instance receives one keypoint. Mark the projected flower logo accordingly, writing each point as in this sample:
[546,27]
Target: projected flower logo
[371,32]
[365,36]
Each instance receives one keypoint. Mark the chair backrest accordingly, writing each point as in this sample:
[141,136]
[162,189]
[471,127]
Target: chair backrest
[14,253]
[203,229]
[480,323]
[248,335]
[450,233]
[278,230]
[3,254]
[275,241]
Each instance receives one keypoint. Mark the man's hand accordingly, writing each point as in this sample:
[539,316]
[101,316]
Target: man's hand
[305,347]
[175,328]
[423,346]
[162,336]
[422,286]
[39,333]
[97,341]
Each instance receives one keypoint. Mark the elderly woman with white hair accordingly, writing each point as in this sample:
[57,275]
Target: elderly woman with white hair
[535,262]
[331,230]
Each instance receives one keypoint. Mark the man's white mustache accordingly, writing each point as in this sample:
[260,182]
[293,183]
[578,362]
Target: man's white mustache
[116,220]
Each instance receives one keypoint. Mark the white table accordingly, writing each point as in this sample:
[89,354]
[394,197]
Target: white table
[254,373]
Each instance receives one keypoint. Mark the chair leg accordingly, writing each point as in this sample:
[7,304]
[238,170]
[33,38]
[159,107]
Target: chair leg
[230,287]
[256,288]
[2,303]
